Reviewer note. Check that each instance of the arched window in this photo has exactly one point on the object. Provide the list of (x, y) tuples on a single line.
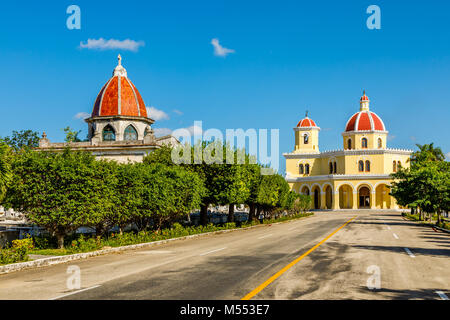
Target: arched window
[(306, 139), (367, 166), (300, 169), (361, 166), (307, 168), (109, 134), (364, 143), (335, 167), (130, 133), (399, 165), (380, 143), (349, 144), (331, 167), (394, 166)]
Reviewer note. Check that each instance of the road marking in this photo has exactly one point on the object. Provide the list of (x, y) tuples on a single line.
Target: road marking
[(395, 236), (205, 253), (290, 265), (410, 253), (442, 295), (75, 292), (266, 236)]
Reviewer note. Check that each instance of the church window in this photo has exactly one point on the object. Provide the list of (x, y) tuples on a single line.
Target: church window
[(399, 164), (349, 144), (331, 167), (361, 166), (109, 134), (335, 167), (364, 143), (307, 168), (367, 166), (305, 139), (130, 133), (394, 166), (300, 169), (380, 143)]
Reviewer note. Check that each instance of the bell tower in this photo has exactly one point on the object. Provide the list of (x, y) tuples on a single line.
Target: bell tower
[(306, 136)]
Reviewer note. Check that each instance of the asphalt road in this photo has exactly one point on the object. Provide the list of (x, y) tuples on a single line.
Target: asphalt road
[(410, 262)]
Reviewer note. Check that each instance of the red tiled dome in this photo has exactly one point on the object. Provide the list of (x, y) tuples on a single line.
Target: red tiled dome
[(119, 96), (365, 121), (306, 122)]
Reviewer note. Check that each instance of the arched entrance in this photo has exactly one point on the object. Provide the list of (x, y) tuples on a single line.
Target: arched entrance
[(305, 190), (364, 198), (316, 197), (345, 197), (328, 197), (382, 197)]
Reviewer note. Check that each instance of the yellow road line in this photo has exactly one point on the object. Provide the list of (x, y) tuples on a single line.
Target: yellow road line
[(290, 265)]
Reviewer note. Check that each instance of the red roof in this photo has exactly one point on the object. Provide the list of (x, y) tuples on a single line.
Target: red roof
[(119, 96), (365, 121), (307, 122)]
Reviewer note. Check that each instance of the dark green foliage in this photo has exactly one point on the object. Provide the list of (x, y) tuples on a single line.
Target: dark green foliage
[(22, 139), (426, 185)]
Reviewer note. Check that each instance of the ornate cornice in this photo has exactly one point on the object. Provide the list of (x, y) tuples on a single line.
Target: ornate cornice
[(335, 153)]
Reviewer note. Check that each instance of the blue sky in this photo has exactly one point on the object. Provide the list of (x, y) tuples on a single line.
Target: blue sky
[(289, 56)]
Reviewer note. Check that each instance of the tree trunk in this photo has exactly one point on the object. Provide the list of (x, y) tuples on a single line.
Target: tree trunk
[(251, 212), (258, 212), (60, 238), (99, 230), (121, 230), (231, 212), (204, 214)]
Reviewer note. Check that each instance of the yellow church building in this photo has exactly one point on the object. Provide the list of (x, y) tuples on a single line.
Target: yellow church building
[(356, 177)]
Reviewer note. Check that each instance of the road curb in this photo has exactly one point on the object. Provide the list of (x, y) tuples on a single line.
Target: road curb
[(13, 267)]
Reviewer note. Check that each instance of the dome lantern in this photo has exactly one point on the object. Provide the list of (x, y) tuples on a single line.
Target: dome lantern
[(364, 102)]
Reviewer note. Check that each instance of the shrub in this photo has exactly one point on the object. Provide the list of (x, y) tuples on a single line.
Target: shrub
[(18, 252)]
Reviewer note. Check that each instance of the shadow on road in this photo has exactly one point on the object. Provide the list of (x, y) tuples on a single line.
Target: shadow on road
[(415, 250), (405, 294)]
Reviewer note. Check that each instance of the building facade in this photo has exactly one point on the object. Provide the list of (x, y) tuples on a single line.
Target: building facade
[(119, 127), (355, 177)]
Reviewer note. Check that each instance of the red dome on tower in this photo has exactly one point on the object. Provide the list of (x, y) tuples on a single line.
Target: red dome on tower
[(119, 97), (365, 120), (306, 122)]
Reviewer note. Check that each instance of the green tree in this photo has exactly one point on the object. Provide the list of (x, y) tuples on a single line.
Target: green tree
[(58, 191), (5, 169), (22, 139), (71, 135), (426, 184), (168, 193)]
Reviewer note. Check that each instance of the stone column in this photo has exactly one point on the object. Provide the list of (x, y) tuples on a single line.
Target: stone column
[(373, 204), (335, 201), (355, 200), (323, 200)]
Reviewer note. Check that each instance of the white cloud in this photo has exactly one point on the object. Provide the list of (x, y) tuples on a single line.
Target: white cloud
[(219, 50), (111, 44), (156, 114), (82, 115), (178, 112), (159, 132)]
